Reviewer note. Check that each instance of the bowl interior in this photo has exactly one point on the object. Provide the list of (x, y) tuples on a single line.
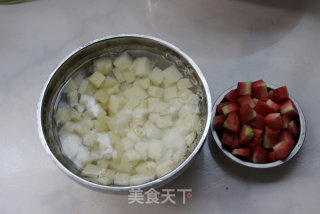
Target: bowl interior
[(113, 47), (300, 138)]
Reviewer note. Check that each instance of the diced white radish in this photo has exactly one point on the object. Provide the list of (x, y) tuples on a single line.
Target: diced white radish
[(109, 82), (166, 84), (101, 124), (80, 108), (103, 65), (123, 61), (74, 114), (124, 86), (147, 167), (142, 149), (92, 170), (161, 107), (152, 131), (120, 120), (155, 91), (132, 135), (140, 179), (105, 145), (170, 92), (187, 110), (83, 126), (83, 86), (72, 98), (127, 144), (135, 91), (122, 179), (90, 90), (184, 84), (179, 155), (164, 168), (116, 102), (192, 122), (114, 163), (70, 145), (102, 95), (153, 100), (128, 76), (142, 66), (127, 165), (113, 90), (171, 74), (144, 83), (155, 149), (71, 85), (89, 138), (104, 163), (189, 139), (96, 110), (78, 80), (152, 115), (68, 127), (156, 76), (96, 79), (62, 115), (82, 157), (118, 73), (86, 122), (132, 155), (114, 138), (161, 121), (87, 100), (184, 96), (106, 177), (132, 103)]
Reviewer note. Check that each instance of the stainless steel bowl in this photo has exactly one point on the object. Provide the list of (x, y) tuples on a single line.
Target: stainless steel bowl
[(115, 45), (294, 151)]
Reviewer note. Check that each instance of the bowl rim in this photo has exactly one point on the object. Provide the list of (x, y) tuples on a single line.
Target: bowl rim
[(294, 151), (152, 184)]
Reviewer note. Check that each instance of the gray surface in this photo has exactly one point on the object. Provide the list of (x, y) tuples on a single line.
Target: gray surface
[(230, 40)]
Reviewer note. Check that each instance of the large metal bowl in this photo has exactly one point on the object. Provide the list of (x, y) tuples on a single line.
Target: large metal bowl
[(115, 45), (299, 143)]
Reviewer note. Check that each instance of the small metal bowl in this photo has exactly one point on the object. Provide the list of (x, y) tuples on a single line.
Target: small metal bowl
[(115, 45), (302, 133)]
